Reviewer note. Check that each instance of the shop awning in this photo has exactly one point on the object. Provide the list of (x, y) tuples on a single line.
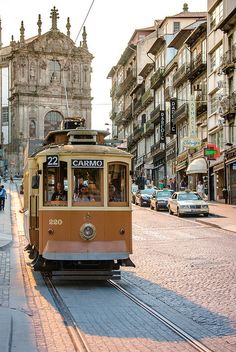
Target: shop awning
[(197, 166)]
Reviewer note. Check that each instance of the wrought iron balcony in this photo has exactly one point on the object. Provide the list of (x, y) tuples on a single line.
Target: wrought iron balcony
[(138, 131), (201, 104), (128, 113), (130, 141), (197, 67), (147, 98), (113, 113), (181, 74), (157, 78), (129, 81), (155, 114), (148, 128), (156, 149), (228, 105), (227, 64), (181, 113), (119, 117), (137, 107)]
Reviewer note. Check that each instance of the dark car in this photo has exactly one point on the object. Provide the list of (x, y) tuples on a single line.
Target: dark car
[(143, 197), (134, 189), (159, 199)]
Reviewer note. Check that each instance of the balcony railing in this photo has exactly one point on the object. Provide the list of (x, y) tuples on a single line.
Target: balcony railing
[(181, 74), (157, 78), (128, 113), (130, 141), (138, 131), (129, 80), (155, 114), (201, 104), (228, 104), (156, 149), (147, 98), (113, 114), (197, 66), (227, 64), (181, 112), (119, 117), (148, 128)]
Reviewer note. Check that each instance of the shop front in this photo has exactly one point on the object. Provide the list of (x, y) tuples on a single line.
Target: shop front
[(159, 172), (181, 168), (197, 171), (230, 164)]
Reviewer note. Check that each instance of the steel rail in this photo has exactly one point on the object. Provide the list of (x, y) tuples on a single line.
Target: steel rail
[(172, 326), (76, 336)]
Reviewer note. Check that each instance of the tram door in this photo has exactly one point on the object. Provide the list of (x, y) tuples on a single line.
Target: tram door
[(34, 220)]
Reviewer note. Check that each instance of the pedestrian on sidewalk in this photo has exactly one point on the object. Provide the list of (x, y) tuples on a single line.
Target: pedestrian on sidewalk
[(200, 189), (3, 196)]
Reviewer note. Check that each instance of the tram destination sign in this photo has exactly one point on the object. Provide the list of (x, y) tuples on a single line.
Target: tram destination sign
[(87, 163)]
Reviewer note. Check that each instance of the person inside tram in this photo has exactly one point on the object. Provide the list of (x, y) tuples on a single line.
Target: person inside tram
[(84, 195), (59, 194)]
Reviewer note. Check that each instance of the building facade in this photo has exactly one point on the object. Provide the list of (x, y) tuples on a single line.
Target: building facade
[(49, 79), (183, 100)]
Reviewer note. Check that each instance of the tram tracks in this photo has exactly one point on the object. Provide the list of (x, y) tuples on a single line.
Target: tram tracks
[(74, 332), (197, 345), (79, 340)]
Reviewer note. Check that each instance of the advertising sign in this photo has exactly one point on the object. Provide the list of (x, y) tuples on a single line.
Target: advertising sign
[(192, 116), (162, 126), (173, 106)]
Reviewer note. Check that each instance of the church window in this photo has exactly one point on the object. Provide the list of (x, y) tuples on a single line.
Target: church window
[(52, 121), (54, 71)]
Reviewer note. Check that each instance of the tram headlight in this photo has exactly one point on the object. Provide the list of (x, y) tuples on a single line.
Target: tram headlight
[(87, 232)]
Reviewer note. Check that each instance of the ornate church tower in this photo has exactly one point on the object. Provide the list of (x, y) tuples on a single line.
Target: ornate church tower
[(49, 80)]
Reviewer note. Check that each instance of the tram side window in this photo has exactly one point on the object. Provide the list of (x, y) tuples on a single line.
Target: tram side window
[(55, 184), (117, 184), (87, 186)]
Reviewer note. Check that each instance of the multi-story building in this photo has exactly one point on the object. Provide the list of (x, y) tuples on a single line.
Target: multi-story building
[(221, 88), (49, 79), (227, 101)]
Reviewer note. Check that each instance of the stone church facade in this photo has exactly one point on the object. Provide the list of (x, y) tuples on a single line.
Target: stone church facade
[(49, 79)]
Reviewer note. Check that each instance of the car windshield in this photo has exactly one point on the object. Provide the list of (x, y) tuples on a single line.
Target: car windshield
[(148, 191), (189, 196), (164, 194)]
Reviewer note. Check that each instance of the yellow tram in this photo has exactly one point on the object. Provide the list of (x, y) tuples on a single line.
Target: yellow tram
[(77, 204)]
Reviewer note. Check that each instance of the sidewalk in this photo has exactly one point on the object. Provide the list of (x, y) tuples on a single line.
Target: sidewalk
[(5, 223), (16, 328), (221, 215)]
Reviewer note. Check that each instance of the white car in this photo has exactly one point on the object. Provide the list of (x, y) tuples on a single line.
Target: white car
[(186, 202)]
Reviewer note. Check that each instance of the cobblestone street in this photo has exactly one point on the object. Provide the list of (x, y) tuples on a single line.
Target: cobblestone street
[(184, 269)]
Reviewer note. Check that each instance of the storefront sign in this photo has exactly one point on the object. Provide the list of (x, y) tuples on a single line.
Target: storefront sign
[(81, 163), (162, 126), (191, 142), (192, 116), (173, 106)]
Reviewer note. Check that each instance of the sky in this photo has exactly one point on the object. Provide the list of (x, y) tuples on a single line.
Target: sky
[(109, 26)]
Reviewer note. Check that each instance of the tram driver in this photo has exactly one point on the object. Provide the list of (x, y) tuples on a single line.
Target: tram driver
[(59, 194)]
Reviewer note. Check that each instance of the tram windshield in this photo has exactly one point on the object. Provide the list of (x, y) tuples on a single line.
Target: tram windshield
[(87, 185), (117, 184)]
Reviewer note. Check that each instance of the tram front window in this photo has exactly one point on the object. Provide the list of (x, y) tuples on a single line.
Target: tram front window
[(55, 180), (87, 185), (117, 184)]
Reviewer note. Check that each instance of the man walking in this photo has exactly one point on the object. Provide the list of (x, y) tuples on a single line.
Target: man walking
[(3, 196)]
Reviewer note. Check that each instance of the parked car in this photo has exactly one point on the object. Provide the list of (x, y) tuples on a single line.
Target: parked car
[(159, 199), (142, 197), (186, 202), (134, 189)]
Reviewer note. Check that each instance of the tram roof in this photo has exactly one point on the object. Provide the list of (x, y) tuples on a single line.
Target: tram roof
[(81, 149)]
